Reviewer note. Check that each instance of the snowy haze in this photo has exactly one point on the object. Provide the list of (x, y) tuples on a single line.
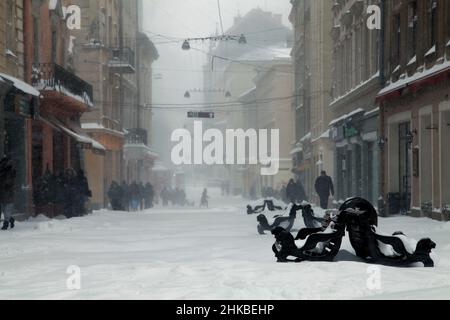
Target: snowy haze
[(164, 20)]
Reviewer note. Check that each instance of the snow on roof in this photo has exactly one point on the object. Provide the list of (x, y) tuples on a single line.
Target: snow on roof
[(376, 110), (247, 92), (159, 167), (296, 150), (431, 51), (92, 125), (412, 61), (20, 85), (307, 137), (420, 75), (359, 86), (345, 116), (325, 135), (266, 54)]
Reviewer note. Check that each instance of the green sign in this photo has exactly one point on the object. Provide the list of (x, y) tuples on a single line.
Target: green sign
[(350, 131)]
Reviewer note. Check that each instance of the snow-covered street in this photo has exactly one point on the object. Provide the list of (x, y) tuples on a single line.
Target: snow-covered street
[(198, 254)]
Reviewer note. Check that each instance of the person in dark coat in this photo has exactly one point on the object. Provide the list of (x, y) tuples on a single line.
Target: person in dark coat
[(84, 193), (70, 193), (115, 195), (125, 196), (135, 196), (7, 187), (165, 197), (291, 190), (204, 199), (324, 188), (141, 189), (149, 195)]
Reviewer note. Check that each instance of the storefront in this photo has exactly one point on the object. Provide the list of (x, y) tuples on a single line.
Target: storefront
[(18, 104), (415, 139), (356, 155)]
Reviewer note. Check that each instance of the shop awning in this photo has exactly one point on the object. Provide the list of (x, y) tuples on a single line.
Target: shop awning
[(20, 85), (82, 139)]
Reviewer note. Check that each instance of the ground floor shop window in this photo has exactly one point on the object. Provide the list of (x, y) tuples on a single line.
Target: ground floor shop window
[(445, 158)]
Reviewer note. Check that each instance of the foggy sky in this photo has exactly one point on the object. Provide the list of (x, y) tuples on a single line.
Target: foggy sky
[(165, 20)]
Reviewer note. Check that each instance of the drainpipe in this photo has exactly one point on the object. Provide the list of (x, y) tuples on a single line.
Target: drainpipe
[(382, 202), (382, 42)]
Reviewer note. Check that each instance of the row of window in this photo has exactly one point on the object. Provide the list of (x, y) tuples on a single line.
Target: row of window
[(417, 22), (355, 59)]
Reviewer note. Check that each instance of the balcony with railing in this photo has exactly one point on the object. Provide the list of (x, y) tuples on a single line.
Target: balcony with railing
[(122, 59), (136, 145), (136, 136), (52, 78)]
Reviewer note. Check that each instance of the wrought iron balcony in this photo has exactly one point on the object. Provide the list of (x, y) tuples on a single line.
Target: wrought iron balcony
[(136, 136), (53, 77), (123, 59)]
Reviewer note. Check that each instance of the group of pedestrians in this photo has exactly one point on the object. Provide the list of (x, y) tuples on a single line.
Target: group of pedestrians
[(67, 189), (294, 192), (131, 197), (174, 197)]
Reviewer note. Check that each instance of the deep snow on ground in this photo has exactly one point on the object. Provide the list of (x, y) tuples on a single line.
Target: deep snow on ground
[(195, 253)]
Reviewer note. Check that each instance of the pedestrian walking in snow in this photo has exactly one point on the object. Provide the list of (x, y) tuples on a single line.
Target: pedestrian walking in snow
[(300, 192), (83, 195), (291, 191), (165, 197), (70, 193), (7, 187), (149, 195), (204, 199), (125, 196), (141, 196), (324, 188), (115, 195), (135, 196)]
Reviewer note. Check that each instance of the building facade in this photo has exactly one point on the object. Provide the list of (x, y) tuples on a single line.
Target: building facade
[(58, 142), (356, 83), (415, 108), (139, 155), (312, 150), (18, 101), (228, 80), (116, 58), (276, 81)]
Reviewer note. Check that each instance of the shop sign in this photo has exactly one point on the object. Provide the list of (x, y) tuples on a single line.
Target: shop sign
[(350, 131)]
